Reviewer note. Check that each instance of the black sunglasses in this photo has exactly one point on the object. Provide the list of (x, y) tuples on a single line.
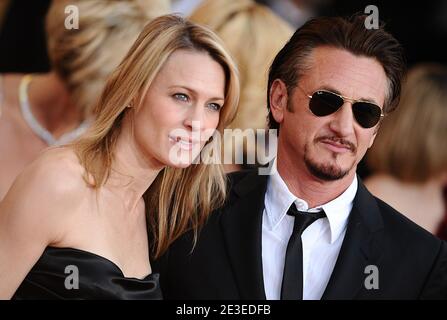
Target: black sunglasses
[(323, 103)]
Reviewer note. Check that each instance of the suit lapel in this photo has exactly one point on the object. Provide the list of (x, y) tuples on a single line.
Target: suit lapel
[(242, 229), (361, 247)]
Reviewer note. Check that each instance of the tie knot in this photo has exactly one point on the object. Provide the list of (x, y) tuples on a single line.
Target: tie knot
[(303, 219)]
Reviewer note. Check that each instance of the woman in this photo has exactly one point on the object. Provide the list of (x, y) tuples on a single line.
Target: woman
[(409, 156), (77, 213), (54, 108)]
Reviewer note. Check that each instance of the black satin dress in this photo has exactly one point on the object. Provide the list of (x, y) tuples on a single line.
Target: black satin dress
[(67, 273)]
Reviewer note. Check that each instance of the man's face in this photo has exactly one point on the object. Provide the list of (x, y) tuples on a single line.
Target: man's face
[(329, 147)]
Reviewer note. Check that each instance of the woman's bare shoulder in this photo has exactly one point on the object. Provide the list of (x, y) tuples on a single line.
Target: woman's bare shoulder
[(10, 84), (54, 177), (44, 200), (9, 93), (39, 209)]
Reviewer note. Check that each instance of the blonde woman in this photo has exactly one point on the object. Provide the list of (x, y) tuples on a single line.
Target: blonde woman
[(78, 214), (53, 108), (253, 34), (409, 157)]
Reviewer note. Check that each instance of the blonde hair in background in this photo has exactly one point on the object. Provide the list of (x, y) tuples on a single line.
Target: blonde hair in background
[(84, 57), (253, 34), (179, 199), (412, 141)]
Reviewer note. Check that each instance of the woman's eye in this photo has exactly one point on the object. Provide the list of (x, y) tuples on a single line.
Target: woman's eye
[(214, 106), (181, 97)]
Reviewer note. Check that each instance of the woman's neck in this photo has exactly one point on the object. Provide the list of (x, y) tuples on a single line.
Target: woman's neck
[(132, 172), (51, 105)]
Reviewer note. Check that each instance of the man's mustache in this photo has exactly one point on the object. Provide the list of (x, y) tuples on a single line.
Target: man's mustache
[(341, 141)]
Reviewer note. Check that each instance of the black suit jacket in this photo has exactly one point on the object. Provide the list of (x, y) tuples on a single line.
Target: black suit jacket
[(226, 262)]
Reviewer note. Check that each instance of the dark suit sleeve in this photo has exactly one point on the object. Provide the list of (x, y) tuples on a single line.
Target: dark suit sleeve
[(436, 284)]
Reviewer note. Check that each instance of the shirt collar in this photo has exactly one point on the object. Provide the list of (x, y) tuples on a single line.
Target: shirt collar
[(338, 210), (278, 200)]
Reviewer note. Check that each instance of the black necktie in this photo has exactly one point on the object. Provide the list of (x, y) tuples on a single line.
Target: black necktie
[(292, 280)]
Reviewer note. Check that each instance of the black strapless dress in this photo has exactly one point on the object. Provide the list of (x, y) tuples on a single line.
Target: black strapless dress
[(67, 273)]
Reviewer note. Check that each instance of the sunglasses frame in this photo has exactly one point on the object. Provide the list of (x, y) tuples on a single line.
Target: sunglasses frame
[(350, 100)]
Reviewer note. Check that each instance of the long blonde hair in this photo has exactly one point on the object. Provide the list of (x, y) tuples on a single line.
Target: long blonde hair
[(179, 199), (85, 57)]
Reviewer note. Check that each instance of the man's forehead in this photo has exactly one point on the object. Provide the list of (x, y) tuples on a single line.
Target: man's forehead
[(358, 77)]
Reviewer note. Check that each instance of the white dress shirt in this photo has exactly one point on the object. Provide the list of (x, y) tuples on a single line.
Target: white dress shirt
[(321, 240)]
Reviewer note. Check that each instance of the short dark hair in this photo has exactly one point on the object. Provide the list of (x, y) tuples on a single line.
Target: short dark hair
[(342, 33)]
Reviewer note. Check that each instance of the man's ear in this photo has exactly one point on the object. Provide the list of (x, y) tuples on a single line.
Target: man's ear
[(278, 100), (376, 130), (372, 140)]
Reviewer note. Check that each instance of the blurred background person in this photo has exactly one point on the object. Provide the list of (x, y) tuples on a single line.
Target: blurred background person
[(409, 156), (54, 108), (297, 12), (253, 34), (184, 7)]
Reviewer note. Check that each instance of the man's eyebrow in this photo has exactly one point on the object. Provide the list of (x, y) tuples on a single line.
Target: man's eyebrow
[(331, 89)]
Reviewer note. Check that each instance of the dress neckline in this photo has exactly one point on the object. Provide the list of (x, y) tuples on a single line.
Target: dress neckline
[(36, 127), (115, 266)]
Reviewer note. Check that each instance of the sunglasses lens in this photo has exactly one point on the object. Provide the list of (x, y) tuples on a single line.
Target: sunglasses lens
[(366, 114), (324, 103)]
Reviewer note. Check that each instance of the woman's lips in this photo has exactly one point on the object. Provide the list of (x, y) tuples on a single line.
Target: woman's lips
[(185, 143)]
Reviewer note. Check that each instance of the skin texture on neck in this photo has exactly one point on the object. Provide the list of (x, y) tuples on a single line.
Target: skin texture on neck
[(140, 170), (51, 105)]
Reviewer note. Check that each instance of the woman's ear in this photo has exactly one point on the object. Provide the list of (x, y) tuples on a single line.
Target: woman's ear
[(278, 100)]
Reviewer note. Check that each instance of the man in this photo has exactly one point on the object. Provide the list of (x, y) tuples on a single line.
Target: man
[(312, 230)]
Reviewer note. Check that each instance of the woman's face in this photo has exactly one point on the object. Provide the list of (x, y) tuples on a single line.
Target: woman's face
[(181, 109)]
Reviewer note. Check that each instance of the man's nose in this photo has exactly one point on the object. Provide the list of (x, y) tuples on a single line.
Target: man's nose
[(342, 121)]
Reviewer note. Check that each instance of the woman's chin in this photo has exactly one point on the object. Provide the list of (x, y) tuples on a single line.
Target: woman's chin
[(180, 163), (182, 160)]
